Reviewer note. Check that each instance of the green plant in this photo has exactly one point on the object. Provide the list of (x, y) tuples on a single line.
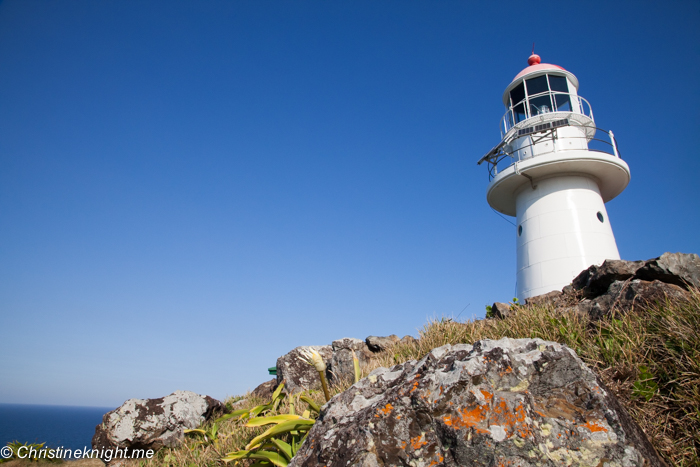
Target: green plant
[(489, 311), (279, 443), (209, 437), (645, 386)]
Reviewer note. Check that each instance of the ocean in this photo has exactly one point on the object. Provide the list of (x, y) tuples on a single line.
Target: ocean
[(57, 425)]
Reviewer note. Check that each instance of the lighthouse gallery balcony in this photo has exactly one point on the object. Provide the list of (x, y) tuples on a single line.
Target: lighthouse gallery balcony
[(548, 133)]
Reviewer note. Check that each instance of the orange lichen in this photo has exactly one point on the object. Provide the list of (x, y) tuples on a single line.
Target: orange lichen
[(387, 409), (417, 442), (468, 418), (594, 426), (505, 371), (513, 420), (497, 412), (437, 462)]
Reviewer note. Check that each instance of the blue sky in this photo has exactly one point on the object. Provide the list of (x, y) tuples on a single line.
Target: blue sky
[(188, 190)]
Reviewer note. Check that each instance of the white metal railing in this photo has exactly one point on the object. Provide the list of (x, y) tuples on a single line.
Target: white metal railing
[(576, 104), (603, 141)]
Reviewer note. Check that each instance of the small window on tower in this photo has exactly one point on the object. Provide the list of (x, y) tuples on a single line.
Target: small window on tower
[(600, 217), (520, 230)]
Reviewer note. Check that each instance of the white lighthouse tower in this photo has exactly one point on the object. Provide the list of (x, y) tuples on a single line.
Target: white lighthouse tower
[(554, 170)]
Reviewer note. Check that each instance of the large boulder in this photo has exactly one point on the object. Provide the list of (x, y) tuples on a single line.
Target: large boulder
[(299, 375), (342, 366), (514, 402), (154, 423)]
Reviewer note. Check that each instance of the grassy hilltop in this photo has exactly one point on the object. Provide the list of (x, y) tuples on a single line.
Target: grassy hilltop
[(649, 357)]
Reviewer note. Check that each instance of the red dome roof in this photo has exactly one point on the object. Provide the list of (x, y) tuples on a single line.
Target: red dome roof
[(534, 62)]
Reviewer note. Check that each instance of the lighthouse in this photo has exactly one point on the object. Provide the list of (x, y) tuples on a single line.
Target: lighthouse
[(554, 170)]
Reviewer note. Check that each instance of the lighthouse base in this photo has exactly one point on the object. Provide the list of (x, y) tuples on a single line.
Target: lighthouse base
[(562, 229)]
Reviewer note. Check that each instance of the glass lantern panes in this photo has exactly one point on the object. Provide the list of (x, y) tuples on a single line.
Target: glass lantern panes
[(546, 93), (536, 85), (517, 98), (558, 84)]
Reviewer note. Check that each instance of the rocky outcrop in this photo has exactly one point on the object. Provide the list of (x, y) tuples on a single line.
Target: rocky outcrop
[(299, 375), (620, 285), (154, 423), (520, 402)]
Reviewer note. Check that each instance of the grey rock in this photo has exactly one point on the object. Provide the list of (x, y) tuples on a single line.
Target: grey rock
[(378, 344), (265, 390), (520, 402), (501, 310), (349, 343), (299, 375), (681, 269), (342, 366), (154, 423)]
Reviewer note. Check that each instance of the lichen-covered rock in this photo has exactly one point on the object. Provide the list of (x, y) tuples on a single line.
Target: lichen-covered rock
[(153, 423), (342, 366), (299, 375), (519, 402)]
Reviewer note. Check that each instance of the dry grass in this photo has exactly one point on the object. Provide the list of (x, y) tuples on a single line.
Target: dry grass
[(650, 359), (663, 338)]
